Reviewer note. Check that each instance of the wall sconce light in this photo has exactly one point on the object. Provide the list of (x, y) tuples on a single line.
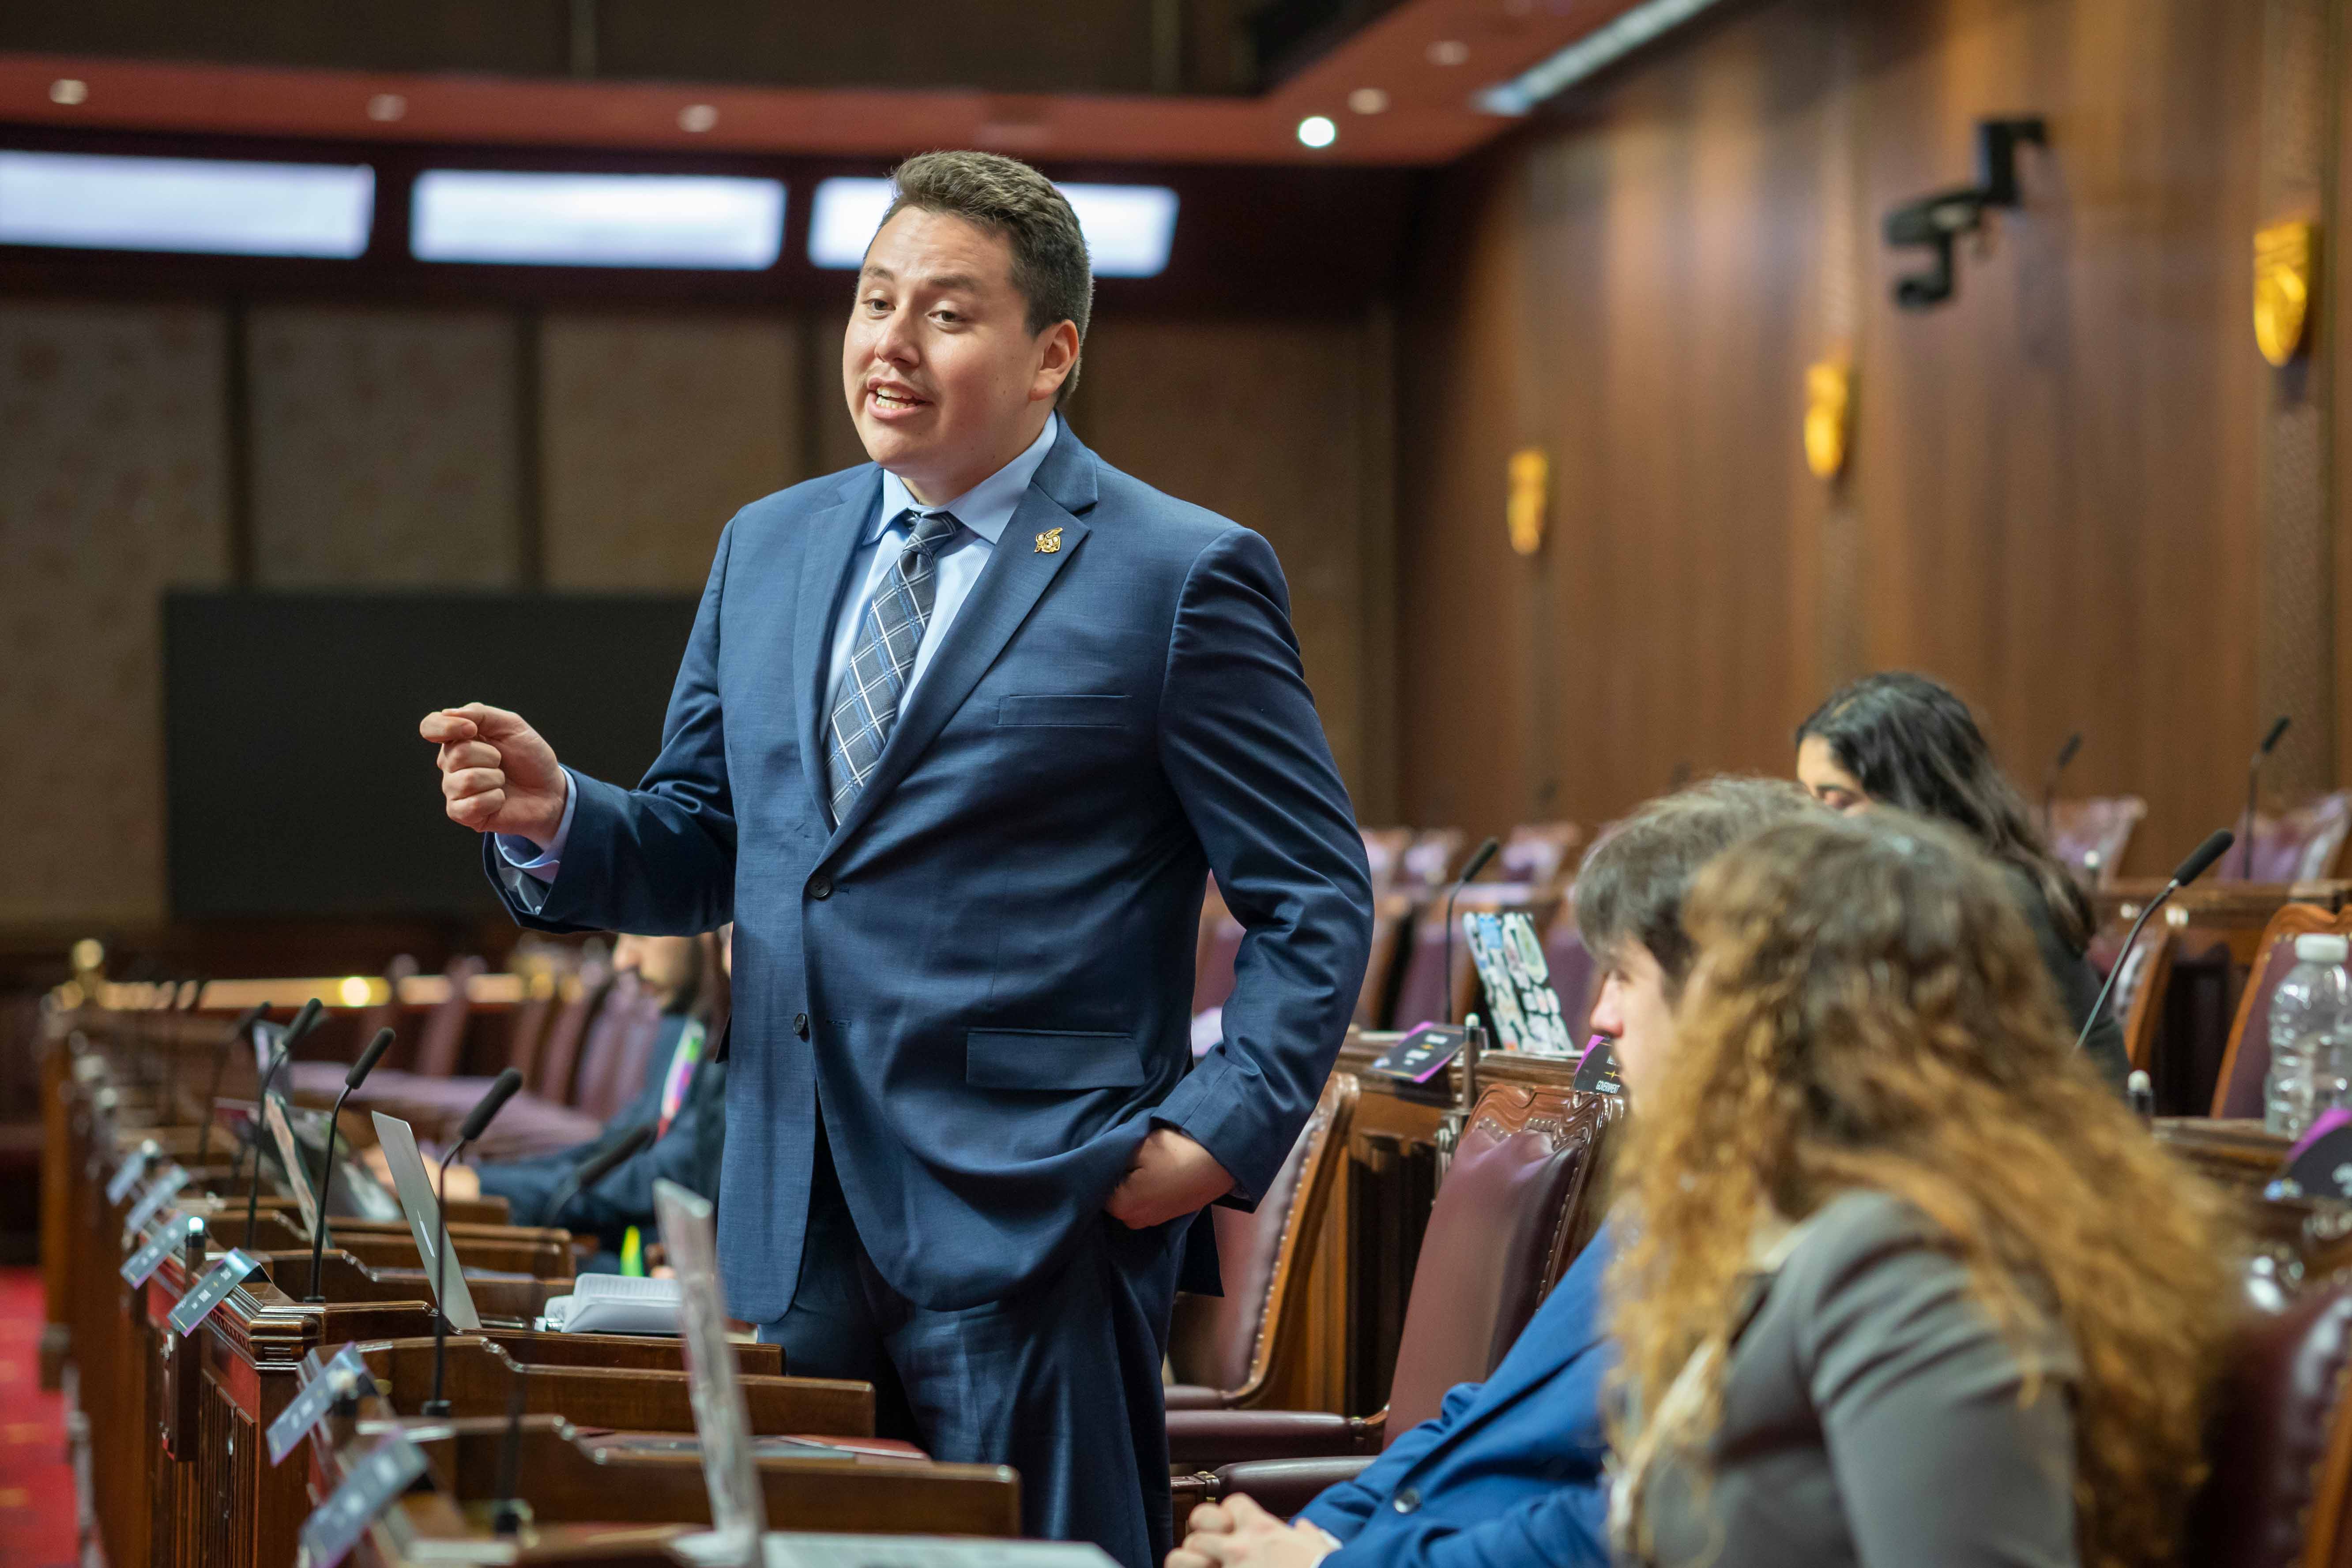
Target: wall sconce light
[(1530, 490), (1939, 220), (1829, 416), (2286, 268)]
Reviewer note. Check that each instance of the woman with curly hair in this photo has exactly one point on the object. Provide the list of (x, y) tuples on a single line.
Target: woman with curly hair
[(1906, 1285)]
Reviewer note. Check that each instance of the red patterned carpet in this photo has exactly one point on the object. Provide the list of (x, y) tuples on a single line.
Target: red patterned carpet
[(37, 1488)]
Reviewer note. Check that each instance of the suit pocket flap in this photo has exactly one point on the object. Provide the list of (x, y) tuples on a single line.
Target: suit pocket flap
[(1050, 1058), (1067, 710)]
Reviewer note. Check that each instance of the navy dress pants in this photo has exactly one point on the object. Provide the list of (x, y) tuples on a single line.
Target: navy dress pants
[(1061, 1381)]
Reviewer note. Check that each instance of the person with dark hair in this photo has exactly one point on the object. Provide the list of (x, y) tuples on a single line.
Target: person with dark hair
[(1905, 740), (1902, 1284), (1511, 1472), (958, 737)]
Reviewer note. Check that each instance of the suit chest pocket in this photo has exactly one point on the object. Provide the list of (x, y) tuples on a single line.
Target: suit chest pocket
[(1062, 711)]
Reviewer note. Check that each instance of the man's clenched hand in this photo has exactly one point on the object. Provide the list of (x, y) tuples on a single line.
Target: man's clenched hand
[(496, 774), (1169, 1176)]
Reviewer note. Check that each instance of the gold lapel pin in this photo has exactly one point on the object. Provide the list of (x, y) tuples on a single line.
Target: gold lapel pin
[(1050, 542)]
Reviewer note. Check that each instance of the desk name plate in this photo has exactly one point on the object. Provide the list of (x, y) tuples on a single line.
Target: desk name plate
[(344, 1374), (212, 1289), (165, 1188), (140, 1266), (126, 1175), (330, 1531)]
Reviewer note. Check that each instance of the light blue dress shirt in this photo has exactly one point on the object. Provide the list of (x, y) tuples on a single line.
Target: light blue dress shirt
[(984, 510)]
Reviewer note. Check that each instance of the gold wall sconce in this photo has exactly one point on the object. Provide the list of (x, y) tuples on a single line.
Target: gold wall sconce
[(1829, 416), (2286, 256), (1530, 492)]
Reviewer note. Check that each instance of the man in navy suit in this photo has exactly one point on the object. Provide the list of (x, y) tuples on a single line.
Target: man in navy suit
[(958, 735)]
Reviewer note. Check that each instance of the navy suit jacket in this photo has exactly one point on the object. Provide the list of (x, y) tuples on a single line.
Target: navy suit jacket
[(625, 1195), (983, 972), (1509, 1475)]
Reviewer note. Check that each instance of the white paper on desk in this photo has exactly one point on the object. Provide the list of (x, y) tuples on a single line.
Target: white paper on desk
[(790, 1548), (424, 1212), (289, 1153), (738, 1509)]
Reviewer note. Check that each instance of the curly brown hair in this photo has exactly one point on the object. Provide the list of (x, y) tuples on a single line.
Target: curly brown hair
[(1867, 1010)]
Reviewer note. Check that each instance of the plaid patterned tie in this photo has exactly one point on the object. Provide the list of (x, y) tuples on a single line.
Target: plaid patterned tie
[(866, 709)]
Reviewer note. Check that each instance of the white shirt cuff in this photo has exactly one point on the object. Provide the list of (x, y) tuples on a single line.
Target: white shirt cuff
[(527, 856)]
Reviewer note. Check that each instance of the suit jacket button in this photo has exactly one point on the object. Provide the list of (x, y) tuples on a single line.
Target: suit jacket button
[(820, 886), (800, 1024), (1406, 1501)]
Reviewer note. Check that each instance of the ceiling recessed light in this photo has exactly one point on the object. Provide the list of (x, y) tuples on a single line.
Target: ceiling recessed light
[(1449, 52), (1318, 131), (1367, 100), (698, 118), (387, 106), (69, 91)]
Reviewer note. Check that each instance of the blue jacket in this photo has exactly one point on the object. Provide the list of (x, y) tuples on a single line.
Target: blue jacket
[(625, 1196), (984, 973), (1509, 1474)]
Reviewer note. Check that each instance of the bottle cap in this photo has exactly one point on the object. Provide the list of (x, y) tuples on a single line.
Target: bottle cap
[(2319, 947)]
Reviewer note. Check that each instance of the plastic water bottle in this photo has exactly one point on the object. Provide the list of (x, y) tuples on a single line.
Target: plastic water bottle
[(2310, 1038)]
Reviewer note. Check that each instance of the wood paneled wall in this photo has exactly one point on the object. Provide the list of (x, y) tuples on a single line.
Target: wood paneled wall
[(2075, 492), (335, 445)]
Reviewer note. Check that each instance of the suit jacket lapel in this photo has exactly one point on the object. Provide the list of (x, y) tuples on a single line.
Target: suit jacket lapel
[(1017, 577), (833, 536)]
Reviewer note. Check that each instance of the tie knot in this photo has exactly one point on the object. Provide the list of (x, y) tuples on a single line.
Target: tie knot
[(929, 531)]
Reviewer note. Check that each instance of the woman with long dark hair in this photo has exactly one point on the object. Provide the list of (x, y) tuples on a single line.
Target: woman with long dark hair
[(1905, 740), (1901, 1283)]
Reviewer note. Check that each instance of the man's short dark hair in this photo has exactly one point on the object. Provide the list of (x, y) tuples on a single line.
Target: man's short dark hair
[(1632, 885), (1006, 196)]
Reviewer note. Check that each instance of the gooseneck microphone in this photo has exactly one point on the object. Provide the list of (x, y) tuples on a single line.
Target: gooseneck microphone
[(303, 1023), (2050, 782), (2254, 789), (595, 1170), (1476, 863), (237, 1031), (352, 1080), (2199, 861), (502, 1089)]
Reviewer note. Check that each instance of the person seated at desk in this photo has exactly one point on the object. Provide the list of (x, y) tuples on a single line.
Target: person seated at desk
[(1908, 1286), (1903, 739), (1510, 1474), (689, 975)]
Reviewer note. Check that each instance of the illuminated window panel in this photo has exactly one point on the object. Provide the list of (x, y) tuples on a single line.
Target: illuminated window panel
[(1130, 229), (499, 217), (99, 202)]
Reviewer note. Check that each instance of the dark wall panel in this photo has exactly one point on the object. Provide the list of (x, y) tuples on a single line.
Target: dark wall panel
[(297, 784)]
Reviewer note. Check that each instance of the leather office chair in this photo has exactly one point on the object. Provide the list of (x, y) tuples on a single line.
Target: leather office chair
[(1542, 853), (2246, 1061), (580, 993), (1384, 851), (1233, 1347), (2298, 846), (441, 1043), (1429, 860), (1220, 945), (1424, 997), (1391, 918), (1510, 1216), (2139, 995), (2091, 835), (2279, 1443), (615, 1039)]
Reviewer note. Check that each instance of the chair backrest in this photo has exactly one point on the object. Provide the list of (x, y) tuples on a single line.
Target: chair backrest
[(559, 1057), (1220, 945), (2138, 994), (632, 1060), (2091, 835), (2298, 846), (1384, 851), (1573, 971), (2246, 1061), (1429, 860), (1424, 995), (1509, 1216), (385, 1014), (527, 1025), (443, 1038), (1542, 853), (2279, 1442), (1230, 1343), (621, 1000)]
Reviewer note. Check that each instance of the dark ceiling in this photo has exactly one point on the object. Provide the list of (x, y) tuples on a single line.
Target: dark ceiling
[(1194, 47)]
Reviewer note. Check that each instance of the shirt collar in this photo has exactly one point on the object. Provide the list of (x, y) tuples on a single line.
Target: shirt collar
[(988, 506)]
